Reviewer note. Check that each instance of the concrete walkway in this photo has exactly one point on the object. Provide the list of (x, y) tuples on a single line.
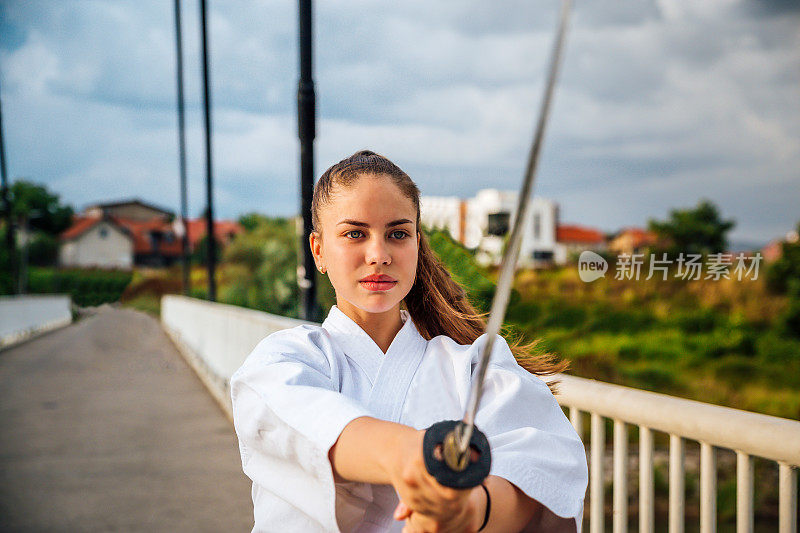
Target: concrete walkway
[(103, 427)]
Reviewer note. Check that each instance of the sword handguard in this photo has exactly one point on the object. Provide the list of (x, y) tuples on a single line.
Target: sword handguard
[(441, 434)]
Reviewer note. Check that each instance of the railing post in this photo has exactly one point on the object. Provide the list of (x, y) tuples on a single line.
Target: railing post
[(576, 420), (787, 489), (744, 493), (620, 477), (646, 492), (596, 495), (708, 488), (676, 484)]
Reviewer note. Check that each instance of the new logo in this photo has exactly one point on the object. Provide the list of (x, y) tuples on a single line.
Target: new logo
[(591, 266)]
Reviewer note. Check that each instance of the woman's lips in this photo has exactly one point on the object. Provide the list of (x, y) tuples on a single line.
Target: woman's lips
[(378, 285)]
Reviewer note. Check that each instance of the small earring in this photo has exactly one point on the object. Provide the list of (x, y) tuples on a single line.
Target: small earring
[(322, 269)]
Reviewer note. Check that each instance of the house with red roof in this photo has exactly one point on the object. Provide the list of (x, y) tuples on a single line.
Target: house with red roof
[(572, 239), (633, 241), (96, 242), (128, 233), (224, 230), (774, 249)]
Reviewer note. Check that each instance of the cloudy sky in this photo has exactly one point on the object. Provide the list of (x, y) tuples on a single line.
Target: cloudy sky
[(660, 103)]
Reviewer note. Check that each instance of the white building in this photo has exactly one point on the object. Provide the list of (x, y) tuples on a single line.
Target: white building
[(96, 242), (483, 221)]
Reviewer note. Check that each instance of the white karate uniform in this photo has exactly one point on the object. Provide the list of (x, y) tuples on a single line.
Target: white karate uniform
[(300, 387)]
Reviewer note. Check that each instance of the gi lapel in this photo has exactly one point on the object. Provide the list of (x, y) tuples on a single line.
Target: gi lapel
[(396, 372), (390, 373), (354, 342)]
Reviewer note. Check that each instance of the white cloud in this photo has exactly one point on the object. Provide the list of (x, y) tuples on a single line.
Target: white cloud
[(19, 76)]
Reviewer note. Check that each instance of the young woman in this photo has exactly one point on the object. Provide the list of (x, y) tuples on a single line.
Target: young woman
[(330, 418)]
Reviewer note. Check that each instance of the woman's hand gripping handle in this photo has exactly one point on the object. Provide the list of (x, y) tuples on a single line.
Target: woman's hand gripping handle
[(434, 496)]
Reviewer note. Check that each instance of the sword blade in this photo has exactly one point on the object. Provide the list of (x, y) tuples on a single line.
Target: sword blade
[(506, 278)]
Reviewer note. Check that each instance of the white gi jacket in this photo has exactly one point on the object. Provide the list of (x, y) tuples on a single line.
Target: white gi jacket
[(300, 387)]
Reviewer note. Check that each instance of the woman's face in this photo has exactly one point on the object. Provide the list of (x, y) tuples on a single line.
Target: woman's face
[(368, 245)]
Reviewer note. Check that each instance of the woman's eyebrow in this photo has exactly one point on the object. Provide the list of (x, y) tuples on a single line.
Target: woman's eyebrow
[(365, 225)]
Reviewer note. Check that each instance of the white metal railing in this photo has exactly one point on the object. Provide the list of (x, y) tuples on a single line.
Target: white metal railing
[(748, 434)]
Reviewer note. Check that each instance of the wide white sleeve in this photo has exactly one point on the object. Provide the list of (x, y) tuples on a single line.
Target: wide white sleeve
[(533, 444), (288, 412)]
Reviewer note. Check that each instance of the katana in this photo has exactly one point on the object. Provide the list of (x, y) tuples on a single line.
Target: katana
[(447, 445)]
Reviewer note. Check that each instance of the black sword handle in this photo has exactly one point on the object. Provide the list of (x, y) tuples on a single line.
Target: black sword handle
[(474, 472)]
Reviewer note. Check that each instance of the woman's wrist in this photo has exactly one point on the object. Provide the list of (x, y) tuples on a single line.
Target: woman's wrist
[(405, 446), (365, 451)]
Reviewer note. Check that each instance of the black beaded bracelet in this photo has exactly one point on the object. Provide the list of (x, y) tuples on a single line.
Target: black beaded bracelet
[(488, 507)]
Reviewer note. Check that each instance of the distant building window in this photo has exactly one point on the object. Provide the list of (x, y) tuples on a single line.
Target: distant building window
[(103, 233), (537, 226), (498, 223), (542, 255), (155, 240)]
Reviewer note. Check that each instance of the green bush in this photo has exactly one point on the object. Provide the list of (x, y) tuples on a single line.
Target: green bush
[(43, 250), (789, 321), (652, 377), (728, 340), (695, 320), (618, 321), (86, 287), (524, 313), (736, 370), (557, 314), (630, 352), (774, 347), (201, 293)]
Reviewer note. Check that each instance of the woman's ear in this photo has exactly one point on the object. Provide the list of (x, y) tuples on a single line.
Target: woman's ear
[(315, 242)]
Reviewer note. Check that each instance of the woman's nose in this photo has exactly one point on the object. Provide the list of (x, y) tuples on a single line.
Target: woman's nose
[(378, 252)]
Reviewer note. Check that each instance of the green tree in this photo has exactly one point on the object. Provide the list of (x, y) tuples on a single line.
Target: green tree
[(460, 262), (7, 285), (266, 261), (790, 319), (250, 221), (43, 250), (780, 274), (43, 214), (42, 209), (698, 230)]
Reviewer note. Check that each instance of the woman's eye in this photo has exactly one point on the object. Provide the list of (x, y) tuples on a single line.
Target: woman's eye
[(353, 234), (398, 234)]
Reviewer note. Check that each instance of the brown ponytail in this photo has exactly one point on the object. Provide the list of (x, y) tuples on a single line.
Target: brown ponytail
[(437, 304)]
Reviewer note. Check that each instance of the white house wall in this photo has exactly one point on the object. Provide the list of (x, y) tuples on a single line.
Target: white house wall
[(444, 212), (441, 212), (94, 249)]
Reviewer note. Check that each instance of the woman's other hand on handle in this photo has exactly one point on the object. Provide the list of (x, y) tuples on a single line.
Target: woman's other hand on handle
[(425, 504)]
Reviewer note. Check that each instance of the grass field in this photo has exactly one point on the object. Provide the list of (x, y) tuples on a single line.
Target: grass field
[(713, 341)]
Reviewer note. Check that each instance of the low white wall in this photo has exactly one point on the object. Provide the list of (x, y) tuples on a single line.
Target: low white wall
[(216, 338), (24, 316)]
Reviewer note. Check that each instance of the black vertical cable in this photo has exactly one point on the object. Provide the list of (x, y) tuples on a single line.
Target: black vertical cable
[(10, 245), (182, 148), (210, 237), (306, 119)]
